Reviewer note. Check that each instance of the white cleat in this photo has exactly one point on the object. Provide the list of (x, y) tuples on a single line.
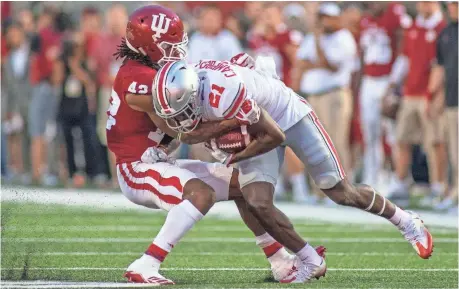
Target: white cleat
[(419, 237), (282, 265), (142, 271), (305, 272)]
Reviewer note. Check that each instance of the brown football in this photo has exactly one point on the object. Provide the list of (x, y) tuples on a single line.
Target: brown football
[(234, 141)]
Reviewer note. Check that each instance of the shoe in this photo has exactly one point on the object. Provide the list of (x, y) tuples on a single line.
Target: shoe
[(427, 201), (419, 237), (307, 271), (444, 205), (282, 264), (143, 271)]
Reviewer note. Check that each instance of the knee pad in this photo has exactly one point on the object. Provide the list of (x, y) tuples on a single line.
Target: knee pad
[(327, 181)]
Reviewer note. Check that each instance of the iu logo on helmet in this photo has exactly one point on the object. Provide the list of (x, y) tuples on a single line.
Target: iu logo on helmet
[(159, 25)]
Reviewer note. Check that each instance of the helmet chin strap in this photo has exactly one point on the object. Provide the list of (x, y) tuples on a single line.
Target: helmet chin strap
[(131, 47)]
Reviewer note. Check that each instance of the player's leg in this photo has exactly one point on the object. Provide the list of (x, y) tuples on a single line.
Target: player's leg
[(225, 183), (257, 178), (165, 186), (313, 145)]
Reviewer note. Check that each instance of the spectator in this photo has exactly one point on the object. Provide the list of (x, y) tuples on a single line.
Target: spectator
[(25, 18), (380, 43), (77, 90), (211, 41), (17, 88), (326, 60), (43, 103), (90, 25), (106, 68), (445, 74), (413, 124), (270, 36), (241, 22)]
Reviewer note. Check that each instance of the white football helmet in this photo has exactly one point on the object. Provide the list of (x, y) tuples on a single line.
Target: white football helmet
[(175, 96)]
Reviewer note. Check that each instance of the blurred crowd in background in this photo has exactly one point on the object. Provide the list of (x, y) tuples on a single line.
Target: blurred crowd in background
[(393, 120)]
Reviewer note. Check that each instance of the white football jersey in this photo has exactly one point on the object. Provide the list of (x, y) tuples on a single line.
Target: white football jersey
[(229, 91)]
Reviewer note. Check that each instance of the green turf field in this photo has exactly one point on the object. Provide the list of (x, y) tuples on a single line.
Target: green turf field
[(50, 242)]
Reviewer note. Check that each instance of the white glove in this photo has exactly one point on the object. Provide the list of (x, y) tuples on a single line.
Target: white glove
[(249, 113), (218, 154), (244, 60), (154, 155)]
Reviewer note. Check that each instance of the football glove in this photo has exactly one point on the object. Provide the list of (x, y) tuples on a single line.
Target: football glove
[(244, 60), (154, 155), (218, 154)]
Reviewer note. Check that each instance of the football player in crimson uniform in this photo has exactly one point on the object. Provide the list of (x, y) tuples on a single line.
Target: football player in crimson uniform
[(187, 96), (187, 189), (380, 31)]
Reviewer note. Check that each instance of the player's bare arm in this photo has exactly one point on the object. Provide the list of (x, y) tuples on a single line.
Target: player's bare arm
[(204, 132), (267, 136), (209, 130)]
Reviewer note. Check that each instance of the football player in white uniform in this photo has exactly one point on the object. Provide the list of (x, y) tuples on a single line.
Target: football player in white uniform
[(185, 95)]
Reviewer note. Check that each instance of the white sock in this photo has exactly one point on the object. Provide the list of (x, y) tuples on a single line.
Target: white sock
[(179, 221), (309, 254), (399, 218), (264, 240), (273, 250)]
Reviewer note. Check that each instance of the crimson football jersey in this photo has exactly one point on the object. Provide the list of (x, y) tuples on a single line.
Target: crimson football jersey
[(420, 47), (377, 39), (275, 48), (131, 132)]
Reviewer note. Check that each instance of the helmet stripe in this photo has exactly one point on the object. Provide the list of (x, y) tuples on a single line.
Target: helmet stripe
[(162, 87)]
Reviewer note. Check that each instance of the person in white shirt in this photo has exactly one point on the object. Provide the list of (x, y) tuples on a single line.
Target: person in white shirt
[(211, 41), (326, 60)]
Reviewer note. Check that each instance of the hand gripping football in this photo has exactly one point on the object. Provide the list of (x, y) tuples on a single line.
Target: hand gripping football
[(234, 141)]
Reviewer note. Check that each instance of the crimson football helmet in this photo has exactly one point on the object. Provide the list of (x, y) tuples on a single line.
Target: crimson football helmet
[(156, 32)]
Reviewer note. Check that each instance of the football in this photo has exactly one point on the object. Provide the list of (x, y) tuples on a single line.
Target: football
[(234, 141)]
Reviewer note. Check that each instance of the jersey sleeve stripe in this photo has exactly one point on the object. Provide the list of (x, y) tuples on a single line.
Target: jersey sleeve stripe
[(143, 185), (237, 103), (162, 87)]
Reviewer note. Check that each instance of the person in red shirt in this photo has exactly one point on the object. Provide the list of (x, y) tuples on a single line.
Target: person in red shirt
[(187, 189), (413, 124), (271, 37), (380, 30)]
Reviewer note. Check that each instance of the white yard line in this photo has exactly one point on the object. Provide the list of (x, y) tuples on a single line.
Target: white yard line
[(362, 254), (209, 228), (115, 201), (58, 285), (232, 269), (209, 239), (69, 285)]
